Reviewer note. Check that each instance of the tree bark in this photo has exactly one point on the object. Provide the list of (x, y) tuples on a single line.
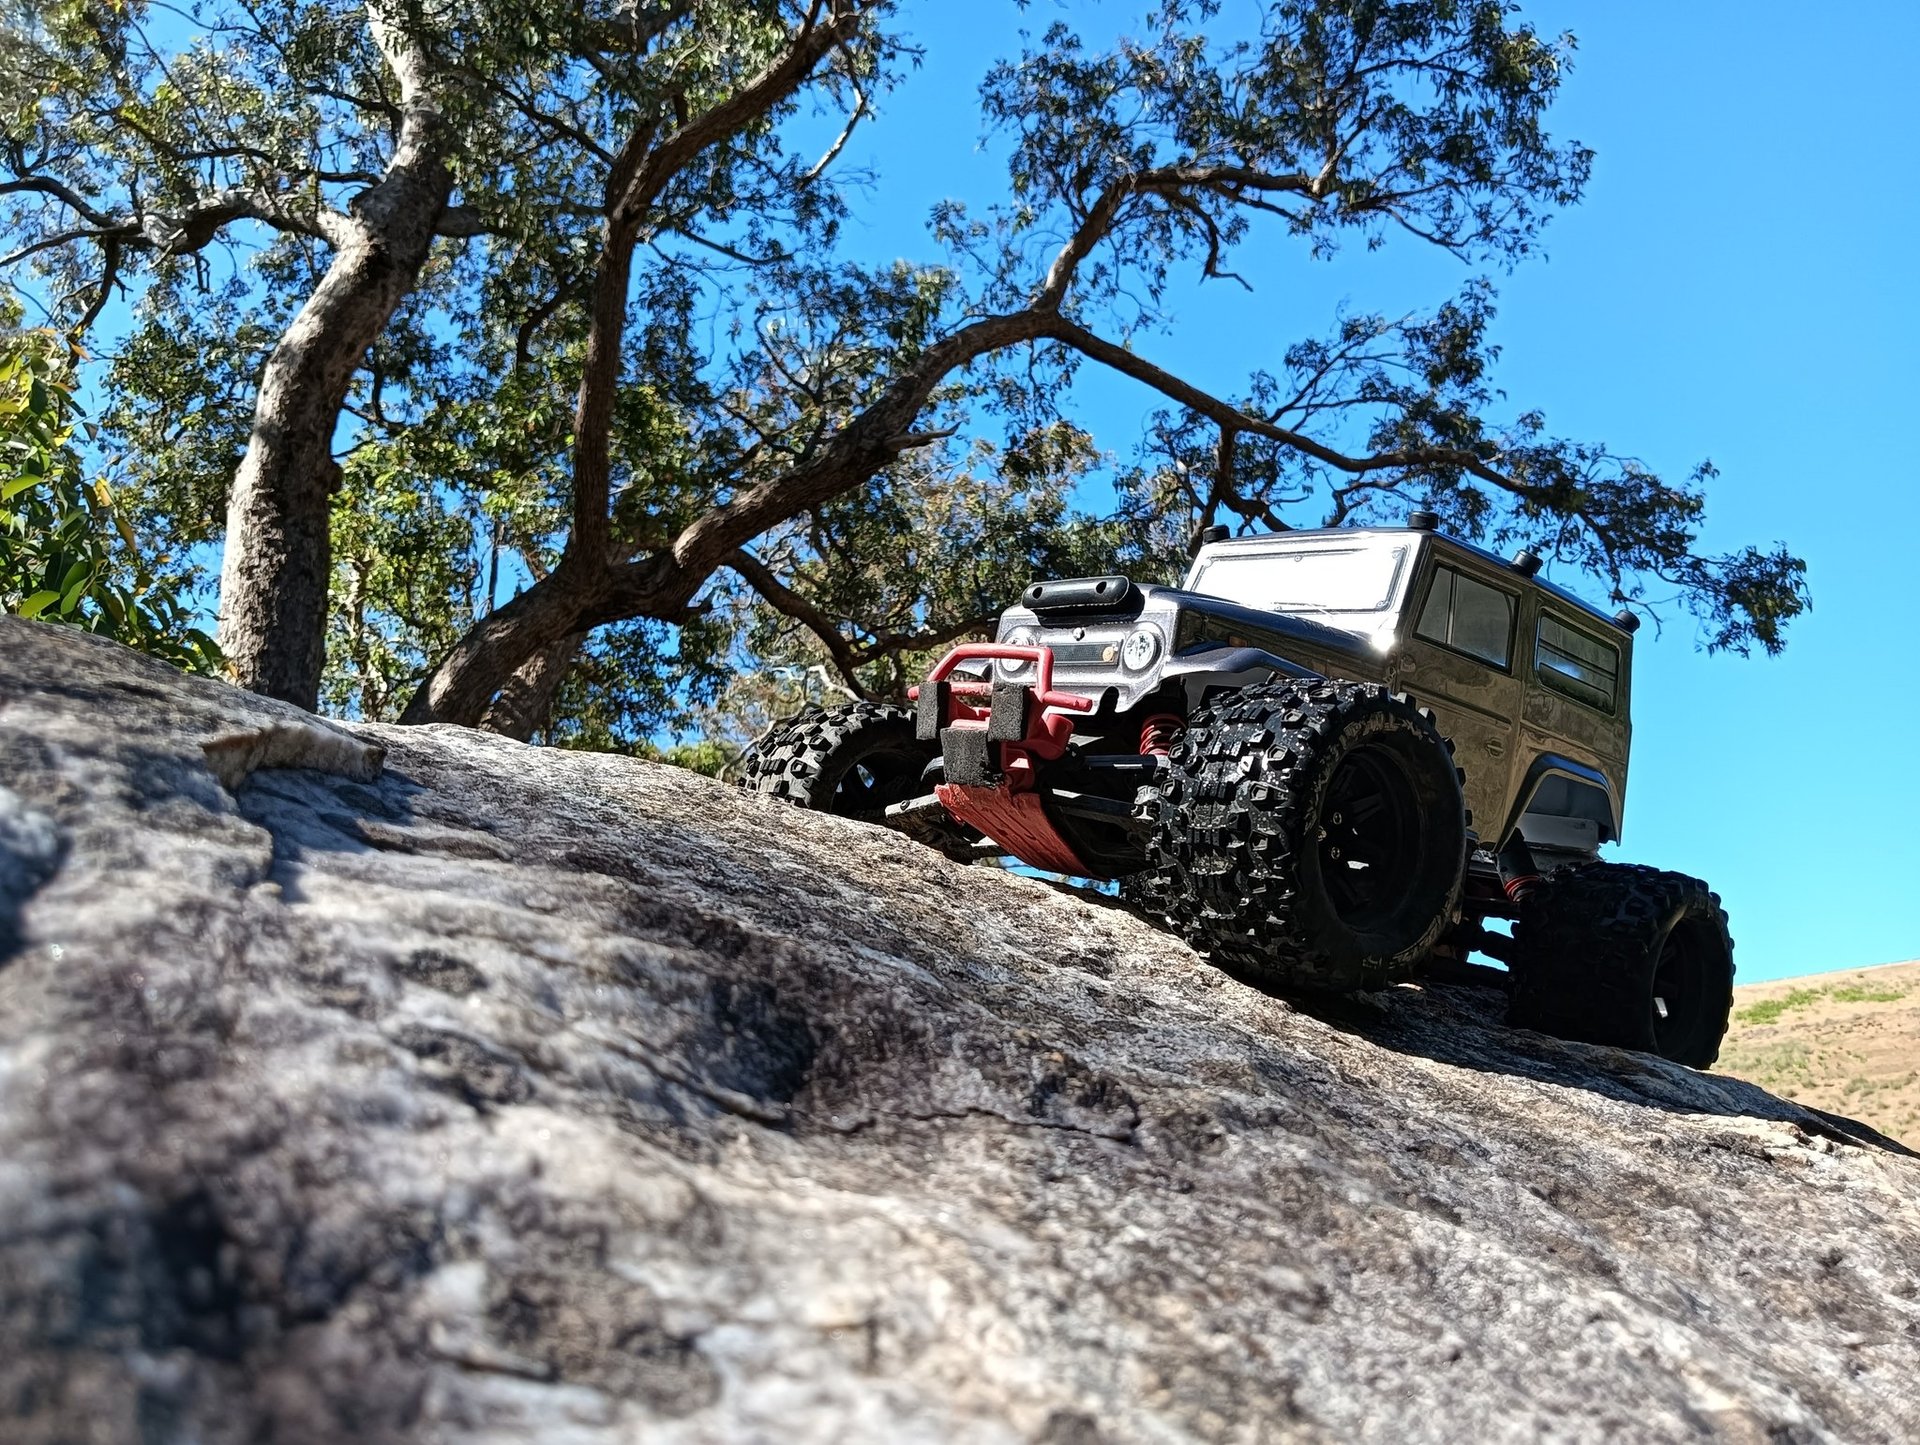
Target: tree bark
[(525, 704), (490, 652), (278, 555)]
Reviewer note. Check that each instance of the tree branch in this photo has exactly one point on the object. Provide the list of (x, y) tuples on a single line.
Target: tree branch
[(927, 637), (461, 223), (1162, 180), (865, 445), (785, 600), (840, 141), (810, 43), (1226, 414), (109, 275), (47, 243), (63, 193), (635, 180), (633, 33)]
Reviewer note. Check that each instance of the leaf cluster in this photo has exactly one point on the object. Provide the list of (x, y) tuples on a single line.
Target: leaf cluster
[(65, 553), (1420, 388)]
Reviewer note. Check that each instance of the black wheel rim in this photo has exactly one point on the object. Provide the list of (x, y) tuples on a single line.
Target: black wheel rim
[(1680, 983), (877, 778), (1371, 838)]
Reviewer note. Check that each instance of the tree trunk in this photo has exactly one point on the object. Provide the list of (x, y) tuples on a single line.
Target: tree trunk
[(514, 638), (525, 704), (586, 590), (491, 652), (278, 555)]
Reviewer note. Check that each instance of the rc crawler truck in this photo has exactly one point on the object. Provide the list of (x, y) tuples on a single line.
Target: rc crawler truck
[(1326, 761)]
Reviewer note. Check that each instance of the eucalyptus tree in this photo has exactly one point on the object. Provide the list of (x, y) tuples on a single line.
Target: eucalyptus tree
[(696, 162), (1339, 121), (629, 371), (338, 142), (129, 146), (541, 351)]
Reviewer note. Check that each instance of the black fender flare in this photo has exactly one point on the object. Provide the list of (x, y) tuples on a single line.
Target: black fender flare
[(1228, 667), (1558, 765)]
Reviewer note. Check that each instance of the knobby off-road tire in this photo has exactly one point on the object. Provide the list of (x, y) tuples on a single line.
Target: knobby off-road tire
[(1620, 954), (1147, 891), (854, 761), (1310, 836)]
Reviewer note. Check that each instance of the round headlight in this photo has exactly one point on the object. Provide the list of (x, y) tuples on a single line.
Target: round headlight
[(1013, 667), (1141, 649)]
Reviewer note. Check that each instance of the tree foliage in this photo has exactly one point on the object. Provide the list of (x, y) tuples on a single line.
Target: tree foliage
[(648, 444), (66, 555)]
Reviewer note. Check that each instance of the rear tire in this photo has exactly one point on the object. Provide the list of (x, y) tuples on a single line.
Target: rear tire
[(1625, 955), (853, 761), (1311, 835)]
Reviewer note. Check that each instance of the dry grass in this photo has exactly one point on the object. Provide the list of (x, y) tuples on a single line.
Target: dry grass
[(1846, 1042)]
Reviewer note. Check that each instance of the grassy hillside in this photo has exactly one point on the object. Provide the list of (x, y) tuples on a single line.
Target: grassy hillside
[(1845, 1042)]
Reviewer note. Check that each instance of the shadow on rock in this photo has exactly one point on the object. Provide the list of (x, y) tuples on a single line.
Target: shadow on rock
[(1458, 1018), (1461, 1022)]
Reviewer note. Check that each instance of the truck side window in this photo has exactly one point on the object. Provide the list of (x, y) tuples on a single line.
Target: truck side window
[(1580, 666), (1468, 616)]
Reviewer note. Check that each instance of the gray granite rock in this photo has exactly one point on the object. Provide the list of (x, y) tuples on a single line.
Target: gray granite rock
[(495, 1094)]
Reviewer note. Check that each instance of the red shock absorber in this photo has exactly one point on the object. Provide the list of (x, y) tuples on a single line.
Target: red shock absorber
[(1519, 874), (1158, 732)]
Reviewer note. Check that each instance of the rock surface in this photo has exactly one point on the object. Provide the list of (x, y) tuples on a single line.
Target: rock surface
[(496, 1094)]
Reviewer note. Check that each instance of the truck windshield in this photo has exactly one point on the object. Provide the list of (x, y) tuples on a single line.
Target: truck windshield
[(1305, 579)]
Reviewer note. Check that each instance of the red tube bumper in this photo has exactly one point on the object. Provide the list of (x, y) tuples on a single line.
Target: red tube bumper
[(1010, 809)]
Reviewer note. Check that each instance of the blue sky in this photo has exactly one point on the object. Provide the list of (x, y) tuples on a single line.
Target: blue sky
[(1739, 284)]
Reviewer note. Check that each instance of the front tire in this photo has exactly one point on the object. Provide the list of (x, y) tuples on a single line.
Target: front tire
[(1625, 955), (1311, 835), (854, 761)]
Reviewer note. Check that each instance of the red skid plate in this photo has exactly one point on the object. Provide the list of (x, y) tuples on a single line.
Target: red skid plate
[(1010, 812), (1016, 821)]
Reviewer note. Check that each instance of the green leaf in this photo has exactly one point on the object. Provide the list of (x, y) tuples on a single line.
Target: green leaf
[(38, 603), (75, 593)]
